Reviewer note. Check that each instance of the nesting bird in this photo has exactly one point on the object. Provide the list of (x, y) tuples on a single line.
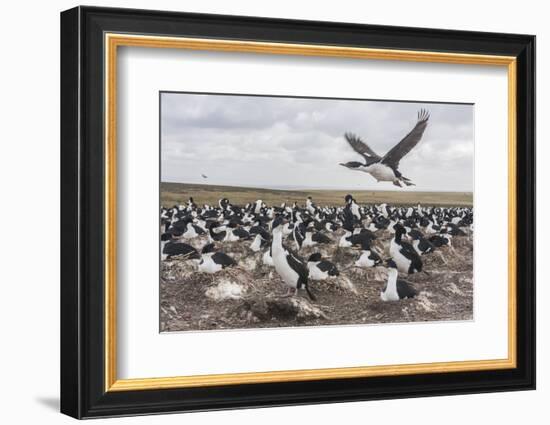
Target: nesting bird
[(403, 254), (420, 243), (368, 257), (320, 269), (171, 249), (212, 261), (395, 288)]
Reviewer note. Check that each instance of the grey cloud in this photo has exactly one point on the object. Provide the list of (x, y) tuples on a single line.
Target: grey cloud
[(276, 142)]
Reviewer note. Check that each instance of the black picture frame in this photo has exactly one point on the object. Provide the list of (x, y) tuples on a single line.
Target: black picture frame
[(83, 392)]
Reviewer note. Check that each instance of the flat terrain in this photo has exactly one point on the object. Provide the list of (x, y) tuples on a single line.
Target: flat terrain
[(177, 193)]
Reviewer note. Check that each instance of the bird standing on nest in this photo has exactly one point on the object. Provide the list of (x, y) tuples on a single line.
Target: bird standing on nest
[(292, 269)]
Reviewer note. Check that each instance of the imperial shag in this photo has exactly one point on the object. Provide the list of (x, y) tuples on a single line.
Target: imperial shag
[(320, 269), (395, 289), (386, 168), (212, 262), (368, 257), (292, 269), (403, 253)]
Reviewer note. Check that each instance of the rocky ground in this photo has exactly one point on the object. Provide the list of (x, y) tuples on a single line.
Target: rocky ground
[(250, 295)]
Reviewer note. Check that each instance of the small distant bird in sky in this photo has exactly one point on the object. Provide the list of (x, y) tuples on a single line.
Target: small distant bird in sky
[(204, 176), (386, 168)]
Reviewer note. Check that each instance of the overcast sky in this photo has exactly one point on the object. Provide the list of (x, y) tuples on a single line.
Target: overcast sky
[(287, 142)]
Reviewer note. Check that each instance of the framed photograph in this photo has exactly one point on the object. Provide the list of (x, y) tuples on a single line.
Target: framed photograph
[(261, 212)]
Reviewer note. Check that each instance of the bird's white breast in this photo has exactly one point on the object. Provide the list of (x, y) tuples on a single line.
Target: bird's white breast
[(314, 272), (344, 243), (401, 261), (308, 241), (416, 244), (289, 276), (380, 172), (207, 265), (230, 237), (190, 232), (255, 245), (390, 293), (364, 260)]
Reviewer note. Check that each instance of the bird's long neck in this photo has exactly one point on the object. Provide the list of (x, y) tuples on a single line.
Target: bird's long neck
[(392, 281), (277, 242), (398, 237)]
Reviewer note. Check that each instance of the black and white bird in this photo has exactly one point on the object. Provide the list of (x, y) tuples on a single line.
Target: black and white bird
[(310, 206), (386, 168), (186, 229), (320, 269), (420, 243), (453, 230), (261, 239), (171, 248), (236, 233), (352, 207), (440, 240), (313, 238), (292, 269), (403, 253), (212, 261), (368, 257), (216, 232), (395, 288)]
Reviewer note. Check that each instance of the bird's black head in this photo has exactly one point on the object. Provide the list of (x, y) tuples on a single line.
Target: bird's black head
[(391, 264), (208, 248), (348, 198), (315, 257), (398, 227), (213, 225), (352, 165), (224, 203), (279, 221), (166, 237)]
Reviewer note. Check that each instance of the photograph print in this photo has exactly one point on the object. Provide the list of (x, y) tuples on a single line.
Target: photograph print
[(293, 211)]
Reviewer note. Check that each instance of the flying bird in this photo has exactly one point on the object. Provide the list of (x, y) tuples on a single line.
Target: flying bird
[(204, 176), (386, 168)]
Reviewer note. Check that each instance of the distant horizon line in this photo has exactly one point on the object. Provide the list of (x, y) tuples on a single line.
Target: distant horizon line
[(305, 188)]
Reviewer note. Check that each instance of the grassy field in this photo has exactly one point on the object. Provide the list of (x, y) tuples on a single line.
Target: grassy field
[(177, 193)]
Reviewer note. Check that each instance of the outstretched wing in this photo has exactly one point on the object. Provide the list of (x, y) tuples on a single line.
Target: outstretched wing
[(395, 154), (362, 148)]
